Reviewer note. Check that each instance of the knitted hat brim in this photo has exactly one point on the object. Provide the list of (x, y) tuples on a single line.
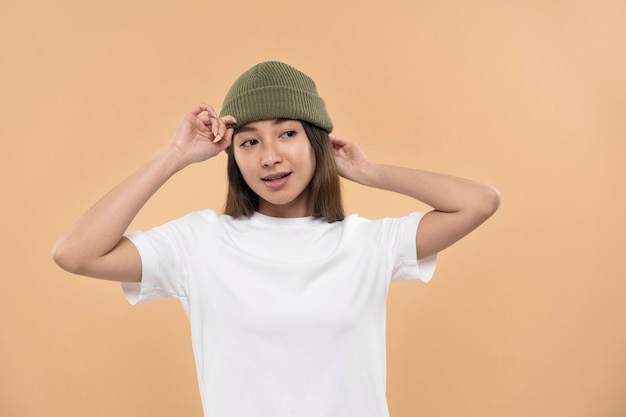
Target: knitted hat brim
[(278, 103), (290, 95)]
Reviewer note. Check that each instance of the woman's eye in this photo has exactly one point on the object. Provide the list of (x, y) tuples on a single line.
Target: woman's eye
[(290, 133), (249, 142)]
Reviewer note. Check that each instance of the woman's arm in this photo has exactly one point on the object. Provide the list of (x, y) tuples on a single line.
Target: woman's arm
[(94, 246), (459, 205)]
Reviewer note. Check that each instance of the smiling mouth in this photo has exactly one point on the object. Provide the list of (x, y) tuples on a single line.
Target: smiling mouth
[(276, 177)]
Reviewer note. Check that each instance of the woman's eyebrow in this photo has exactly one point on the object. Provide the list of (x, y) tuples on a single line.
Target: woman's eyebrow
[(245, 129)]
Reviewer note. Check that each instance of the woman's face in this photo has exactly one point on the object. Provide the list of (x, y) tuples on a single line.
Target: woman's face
[(277, 162)]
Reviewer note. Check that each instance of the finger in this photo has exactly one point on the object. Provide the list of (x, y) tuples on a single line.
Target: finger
[(229, 119), (223, 123), (228, 137), (337, 141), (202, 107), (340, 153), (219, 128), (211, 121), (224, 141), (212, 111), (205, 118), (220, 135), (215, 128)]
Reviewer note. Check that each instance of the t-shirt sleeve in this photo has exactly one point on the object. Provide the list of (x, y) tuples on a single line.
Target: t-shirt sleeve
[(403, 252), (163, 258)]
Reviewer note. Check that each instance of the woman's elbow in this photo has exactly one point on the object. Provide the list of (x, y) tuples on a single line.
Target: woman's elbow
[(65, 257), (490, 201)]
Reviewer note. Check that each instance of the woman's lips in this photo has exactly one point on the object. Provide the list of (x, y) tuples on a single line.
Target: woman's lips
[(276, 180)]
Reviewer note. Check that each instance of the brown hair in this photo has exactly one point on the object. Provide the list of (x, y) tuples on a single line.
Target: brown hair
[(324, 188)]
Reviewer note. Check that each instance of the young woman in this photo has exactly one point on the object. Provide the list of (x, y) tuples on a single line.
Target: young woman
[(285, 296)]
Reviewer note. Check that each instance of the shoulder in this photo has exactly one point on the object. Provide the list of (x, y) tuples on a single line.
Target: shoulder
[(357, 221), (194, 219), (388, 232), (187, 226), (207, 216)]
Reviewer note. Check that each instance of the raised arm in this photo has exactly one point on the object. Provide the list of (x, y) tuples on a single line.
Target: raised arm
[(94, 246), (460, 205)]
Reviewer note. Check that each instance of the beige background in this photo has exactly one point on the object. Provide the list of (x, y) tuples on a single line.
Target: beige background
[(525, 317)]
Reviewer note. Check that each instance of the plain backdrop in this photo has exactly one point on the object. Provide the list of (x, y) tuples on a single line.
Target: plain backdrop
[(524, 317)]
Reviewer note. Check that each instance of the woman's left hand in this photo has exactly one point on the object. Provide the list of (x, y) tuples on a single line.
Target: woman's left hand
[(350, 159)]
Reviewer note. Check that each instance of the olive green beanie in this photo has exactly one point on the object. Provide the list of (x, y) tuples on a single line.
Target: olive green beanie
[(275, 90)]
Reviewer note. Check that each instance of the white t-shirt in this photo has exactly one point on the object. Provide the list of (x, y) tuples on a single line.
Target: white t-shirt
[(287, 315)]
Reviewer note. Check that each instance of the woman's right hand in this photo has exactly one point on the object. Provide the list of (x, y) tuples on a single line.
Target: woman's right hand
[(195, 135)]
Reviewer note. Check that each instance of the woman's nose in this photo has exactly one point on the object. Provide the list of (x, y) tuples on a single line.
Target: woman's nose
[(271, 155)]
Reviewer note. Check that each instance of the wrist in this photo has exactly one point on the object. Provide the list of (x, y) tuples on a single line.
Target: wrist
[(171, 159), (367, 173)]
